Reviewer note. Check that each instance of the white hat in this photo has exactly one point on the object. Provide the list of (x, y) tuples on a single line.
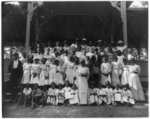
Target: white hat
[(99, 41), (84, 39), (120, 41)]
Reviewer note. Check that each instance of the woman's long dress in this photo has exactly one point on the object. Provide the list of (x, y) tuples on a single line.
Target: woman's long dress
[(59, 75), (135, 84), (69, 72), (82, 83), (35, 74), (27, 73), (125, 75), (52, 73), (105, 69), (42, 75), (115, 74)]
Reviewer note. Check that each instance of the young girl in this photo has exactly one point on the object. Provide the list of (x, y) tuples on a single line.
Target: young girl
[(51, 99), (115, 72), (74, 97), (127, 96), (92, 95), (27, 72), (36, 96), (106, 70), (101, 95), (67, 90), (125, 73), (35, 72), (60, 95), (117, 95)]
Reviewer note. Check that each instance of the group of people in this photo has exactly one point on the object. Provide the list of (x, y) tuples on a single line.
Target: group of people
[(78, 74)]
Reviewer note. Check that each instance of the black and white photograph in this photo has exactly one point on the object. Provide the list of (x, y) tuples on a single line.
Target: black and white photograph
[(74, 59)]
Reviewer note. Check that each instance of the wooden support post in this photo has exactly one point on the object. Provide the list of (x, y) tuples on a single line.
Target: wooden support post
[(124, 19), (29, 12)]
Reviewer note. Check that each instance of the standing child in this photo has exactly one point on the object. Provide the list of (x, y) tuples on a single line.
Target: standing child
[(74, 97), (101, 95), (67, 90), (51, 99), (36, 96), (60, 95)]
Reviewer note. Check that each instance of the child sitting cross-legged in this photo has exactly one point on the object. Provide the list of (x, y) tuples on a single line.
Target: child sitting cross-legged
[(127, 96), (67, 90), (60, 95), (25, 95), (101, 95), (74, 97), (36, 96), (44, 96), (92, 95), (118, 95), (51, 99)]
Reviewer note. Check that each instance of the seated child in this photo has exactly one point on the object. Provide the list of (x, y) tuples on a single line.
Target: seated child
[(26, 95), (36, 96), (74, 99), (44, 96), (92, 95), (109, 94), (101, 95), (51, 99), (117, 95), (67, 90), (127, 96), (60, 95)]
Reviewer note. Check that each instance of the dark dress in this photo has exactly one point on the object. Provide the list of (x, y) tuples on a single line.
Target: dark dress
[(15, 77)]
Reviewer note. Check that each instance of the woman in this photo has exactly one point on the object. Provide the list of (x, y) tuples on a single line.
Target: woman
[(82, 81), (27, 72), (106, 70), (134, 81)]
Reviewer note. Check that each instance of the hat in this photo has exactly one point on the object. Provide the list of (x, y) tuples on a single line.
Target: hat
[(16, 54), (84, 39), (120, 41), (99, 41)]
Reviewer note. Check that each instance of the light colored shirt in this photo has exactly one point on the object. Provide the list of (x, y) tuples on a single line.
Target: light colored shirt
[(15, 64)]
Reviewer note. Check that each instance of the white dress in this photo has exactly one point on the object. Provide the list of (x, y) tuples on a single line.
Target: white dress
[(27, 73), (35, 73), (125, 75), (106, 69), (82, 83), (59, 75), (42, 75), (135, 83), (67, 92), (52, 73), (74, 98), (69, 72)]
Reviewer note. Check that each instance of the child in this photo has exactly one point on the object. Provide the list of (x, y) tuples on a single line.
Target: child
[(26, 95), (127, 96), (36, 96), (117, 95), (60, 95), (51, 99), (67, 90), (74, 99), (101, 96), (44, 96), (109, 93), (92, 95)]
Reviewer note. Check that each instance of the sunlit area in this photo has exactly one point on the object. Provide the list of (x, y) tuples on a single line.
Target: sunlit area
[(139, 4)]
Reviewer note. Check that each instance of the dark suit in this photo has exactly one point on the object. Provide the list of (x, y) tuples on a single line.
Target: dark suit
[(15, 77), (35, 47)]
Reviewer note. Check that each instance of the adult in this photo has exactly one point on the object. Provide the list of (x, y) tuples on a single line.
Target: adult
[(37, 47), (134, 81), (82, 83), (16, 73)]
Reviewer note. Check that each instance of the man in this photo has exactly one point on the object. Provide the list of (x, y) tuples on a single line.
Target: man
[(16, 73), (37, 47)]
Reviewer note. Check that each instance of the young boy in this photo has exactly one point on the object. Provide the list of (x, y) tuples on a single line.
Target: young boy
[(36, 96), (60, 95), (44, 96), (109, 94)]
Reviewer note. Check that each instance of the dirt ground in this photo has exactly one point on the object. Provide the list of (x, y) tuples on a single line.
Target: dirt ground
[(139, 110)]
